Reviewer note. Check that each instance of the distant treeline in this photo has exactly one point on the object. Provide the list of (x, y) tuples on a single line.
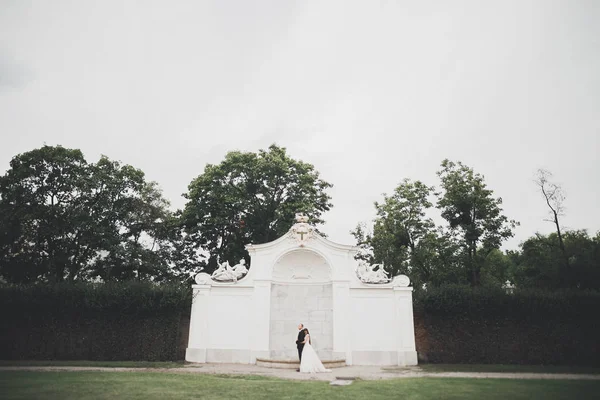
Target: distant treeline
[(63, 218)]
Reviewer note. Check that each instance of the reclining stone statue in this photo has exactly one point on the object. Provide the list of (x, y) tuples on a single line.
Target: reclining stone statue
[(372, 273), (227, 273)]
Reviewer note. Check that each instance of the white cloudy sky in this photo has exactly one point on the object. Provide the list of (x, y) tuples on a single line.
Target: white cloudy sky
[(370, 92)]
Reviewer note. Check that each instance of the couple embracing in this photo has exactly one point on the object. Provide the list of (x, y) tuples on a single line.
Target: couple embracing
[(309, 360)]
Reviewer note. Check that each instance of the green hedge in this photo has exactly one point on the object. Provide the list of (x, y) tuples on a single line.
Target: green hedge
[(126, 321), (457, 324), (453, 324)]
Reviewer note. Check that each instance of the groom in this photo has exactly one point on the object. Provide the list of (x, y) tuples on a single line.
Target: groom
[(299, 343)]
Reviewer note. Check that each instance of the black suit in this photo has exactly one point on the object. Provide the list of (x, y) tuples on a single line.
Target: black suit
[(299, 343)]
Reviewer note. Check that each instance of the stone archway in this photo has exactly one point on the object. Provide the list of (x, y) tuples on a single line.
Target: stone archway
[(301, 292)]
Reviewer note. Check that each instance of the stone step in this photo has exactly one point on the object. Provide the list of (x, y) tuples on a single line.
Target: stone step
[(294, 364)]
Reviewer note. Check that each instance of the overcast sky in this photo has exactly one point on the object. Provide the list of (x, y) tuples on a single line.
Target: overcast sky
[(370, 92)]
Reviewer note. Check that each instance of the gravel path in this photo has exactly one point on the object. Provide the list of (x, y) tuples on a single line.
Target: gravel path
[(351, 372)]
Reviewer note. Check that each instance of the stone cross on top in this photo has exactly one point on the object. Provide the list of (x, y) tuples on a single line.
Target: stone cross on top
[(301, 231)]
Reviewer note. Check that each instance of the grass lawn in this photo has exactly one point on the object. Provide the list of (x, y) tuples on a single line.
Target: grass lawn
[(84, 363), (547, 369), (557, 369), (152, 385)]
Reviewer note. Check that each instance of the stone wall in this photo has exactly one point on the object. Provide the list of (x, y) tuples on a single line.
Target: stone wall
[(311, 305)]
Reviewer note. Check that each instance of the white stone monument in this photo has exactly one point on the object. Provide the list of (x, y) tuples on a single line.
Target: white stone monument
[(355, 312)]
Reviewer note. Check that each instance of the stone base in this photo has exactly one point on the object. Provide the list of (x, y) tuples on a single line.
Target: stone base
[(406, 358), (195, 355), (262, 358), (283, 364)]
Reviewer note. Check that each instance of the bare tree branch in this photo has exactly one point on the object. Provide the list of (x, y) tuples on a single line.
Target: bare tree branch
[(554, 196)]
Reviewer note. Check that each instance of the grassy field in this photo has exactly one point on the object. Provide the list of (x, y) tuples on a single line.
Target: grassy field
[(557, 369), (150, 385), (547, 369)]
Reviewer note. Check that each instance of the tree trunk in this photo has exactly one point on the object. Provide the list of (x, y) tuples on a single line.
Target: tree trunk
[(475, 277), (561, 245), (475, 270)]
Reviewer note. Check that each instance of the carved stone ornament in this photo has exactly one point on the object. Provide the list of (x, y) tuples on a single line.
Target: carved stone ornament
[(401, 280), (372, 273), (203, 278), (227, 273), (301, 231)]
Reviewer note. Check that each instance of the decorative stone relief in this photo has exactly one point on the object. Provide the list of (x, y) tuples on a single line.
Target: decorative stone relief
[(227, 273), (301, 231), (203, 278), (401, 280), (372, 273)]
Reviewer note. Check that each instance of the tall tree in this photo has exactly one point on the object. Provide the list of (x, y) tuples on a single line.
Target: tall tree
[(473, 214), (398, 229), (132, 216), (45, 224), (437, 259), (250, 198), (554, 197), (62, 218)]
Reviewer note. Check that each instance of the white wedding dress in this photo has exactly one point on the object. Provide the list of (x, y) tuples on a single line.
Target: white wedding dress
[(310, 360)]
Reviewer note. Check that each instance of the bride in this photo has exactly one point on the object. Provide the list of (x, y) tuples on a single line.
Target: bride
[(310, 360)]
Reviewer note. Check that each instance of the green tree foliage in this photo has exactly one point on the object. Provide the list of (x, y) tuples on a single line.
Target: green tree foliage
[(496, 269), (42, 197), (250, 198), (438, 260), (407, 241), (472, 214), (539, 263), (403, 238), (62, 218)]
